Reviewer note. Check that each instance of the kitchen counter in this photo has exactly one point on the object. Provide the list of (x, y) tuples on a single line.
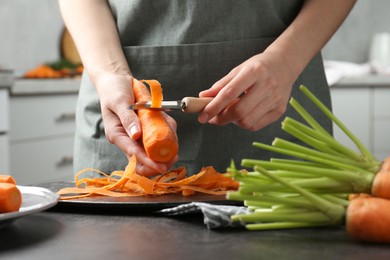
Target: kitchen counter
[(6, 78), (364, 81), (19, 86), (59, 235), (45, 86)]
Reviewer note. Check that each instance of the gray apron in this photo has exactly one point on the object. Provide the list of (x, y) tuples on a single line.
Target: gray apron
[(187, 46)]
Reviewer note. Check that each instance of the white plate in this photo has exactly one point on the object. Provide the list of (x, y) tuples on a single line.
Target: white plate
[(34, 199)]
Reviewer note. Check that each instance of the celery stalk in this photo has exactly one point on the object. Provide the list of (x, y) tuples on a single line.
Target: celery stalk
[(285, 225), (308, 118), (357, 181), (333, 211), (311, 188), (310, 216), (331, 116), (317, 139)]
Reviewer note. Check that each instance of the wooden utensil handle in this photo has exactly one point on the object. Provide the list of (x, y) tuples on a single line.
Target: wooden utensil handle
[(195, 105)]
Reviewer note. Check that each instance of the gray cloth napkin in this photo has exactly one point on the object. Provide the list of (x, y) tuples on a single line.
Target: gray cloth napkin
[(214, 216)]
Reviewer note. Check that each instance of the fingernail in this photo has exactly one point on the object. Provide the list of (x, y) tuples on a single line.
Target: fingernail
[(203, 118), (134, 132)]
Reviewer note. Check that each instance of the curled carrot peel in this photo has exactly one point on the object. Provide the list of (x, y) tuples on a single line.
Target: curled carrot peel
[(159, 139), (155, 91), (128, 183)]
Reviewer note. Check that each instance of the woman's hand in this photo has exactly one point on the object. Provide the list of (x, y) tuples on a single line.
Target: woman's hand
[(252, 96), (267, 78), (122, 126)]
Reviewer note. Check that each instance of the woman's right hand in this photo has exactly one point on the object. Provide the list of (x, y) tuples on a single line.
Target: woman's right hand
[(122, 125)]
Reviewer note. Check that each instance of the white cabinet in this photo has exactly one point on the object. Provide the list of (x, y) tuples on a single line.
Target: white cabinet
[(351, 106), (42, 159), (41, 137), (4, 122), (4, 168), (381, 128), (41, 116), (365, 110), (4, 111)]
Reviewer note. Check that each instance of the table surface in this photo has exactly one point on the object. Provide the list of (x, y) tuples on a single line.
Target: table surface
[(55, 234)]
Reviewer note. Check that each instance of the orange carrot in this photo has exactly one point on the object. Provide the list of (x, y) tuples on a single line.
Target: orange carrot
[(368, 219), (7, 179), (159, 139), (128, 183), (156, 92), (10, 198), (44, 71), (381, 184)]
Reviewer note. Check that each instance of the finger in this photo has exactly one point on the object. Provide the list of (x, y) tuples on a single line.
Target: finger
[(260, 123), (144, 170), (144, 166), (117, 135), (217, 86), (226, 96), (203, 117), (263, 115), (254, 102)]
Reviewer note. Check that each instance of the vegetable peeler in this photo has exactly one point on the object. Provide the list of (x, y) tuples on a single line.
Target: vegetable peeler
[(187, 105)]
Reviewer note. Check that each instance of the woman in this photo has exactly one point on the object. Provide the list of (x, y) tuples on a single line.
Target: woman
[(263, 48)]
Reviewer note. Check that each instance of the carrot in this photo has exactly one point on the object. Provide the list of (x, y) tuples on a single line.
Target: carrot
[(368, 219), (328, 184), (43, 71), (381, 184), (129, 184), (156, 92), (331, 166), (7, 179), (10, 198), (159, 139)]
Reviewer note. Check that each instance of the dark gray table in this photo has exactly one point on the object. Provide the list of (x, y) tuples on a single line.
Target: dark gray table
[(61, 235)]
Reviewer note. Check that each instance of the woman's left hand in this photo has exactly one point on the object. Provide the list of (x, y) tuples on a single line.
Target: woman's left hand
[(252, 96)]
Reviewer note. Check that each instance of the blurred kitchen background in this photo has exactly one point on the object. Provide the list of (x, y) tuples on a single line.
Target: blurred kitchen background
[(37, 115)]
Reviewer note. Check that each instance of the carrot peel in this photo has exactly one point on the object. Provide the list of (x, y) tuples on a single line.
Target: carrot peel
[(155, 92), (130, 184)]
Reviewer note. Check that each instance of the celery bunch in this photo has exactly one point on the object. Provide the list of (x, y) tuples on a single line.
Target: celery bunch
[(312, 188)]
